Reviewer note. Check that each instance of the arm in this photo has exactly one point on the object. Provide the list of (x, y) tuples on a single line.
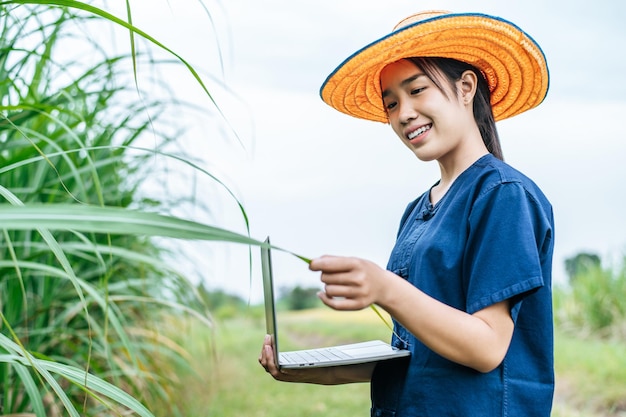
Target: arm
[(322, 376), (478, 340)]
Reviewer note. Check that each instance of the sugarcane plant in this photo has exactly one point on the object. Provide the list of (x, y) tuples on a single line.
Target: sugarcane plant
[(83, 283)]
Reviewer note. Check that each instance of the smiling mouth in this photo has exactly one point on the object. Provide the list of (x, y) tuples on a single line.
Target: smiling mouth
[(419, 131)]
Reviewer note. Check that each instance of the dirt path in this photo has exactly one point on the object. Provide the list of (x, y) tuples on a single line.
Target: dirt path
[(566, 403)]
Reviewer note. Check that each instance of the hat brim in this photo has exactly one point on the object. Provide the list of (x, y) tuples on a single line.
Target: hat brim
[(511, 61)]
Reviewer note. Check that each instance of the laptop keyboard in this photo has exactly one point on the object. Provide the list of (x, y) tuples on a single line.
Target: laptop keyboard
[(313, 355)]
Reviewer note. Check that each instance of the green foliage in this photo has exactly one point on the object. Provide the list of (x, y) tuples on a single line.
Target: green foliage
[(594, 303), (221, 304), (80, 308), (581, 264), (300, 298), (593, 371), (83, 285)]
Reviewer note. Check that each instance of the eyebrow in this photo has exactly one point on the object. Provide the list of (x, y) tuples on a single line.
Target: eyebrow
[(405, 82)]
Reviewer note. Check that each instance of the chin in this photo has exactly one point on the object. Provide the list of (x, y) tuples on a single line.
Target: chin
[(425, 157)]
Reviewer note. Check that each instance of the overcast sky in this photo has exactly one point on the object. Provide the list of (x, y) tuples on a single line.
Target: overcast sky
[(320, 182)]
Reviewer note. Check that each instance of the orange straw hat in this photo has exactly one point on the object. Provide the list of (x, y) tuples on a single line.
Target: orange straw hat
[(511, 61)]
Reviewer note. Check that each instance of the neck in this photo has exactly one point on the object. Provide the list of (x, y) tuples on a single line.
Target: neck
[(453, 165)]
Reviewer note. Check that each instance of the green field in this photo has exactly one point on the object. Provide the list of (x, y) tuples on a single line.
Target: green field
[(591, 375)]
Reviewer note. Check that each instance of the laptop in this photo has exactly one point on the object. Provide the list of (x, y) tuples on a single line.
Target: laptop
[(355, 353)]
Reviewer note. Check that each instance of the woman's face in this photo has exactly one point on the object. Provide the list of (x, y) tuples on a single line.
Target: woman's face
[(429, 123)]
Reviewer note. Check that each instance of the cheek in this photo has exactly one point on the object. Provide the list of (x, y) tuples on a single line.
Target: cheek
[(398, 134)]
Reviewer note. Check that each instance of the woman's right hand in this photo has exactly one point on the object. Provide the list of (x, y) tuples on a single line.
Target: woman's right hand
[(323, 376)]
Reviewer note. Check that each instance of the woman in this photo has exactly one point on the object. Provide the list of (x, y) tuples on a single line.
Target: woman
[(468, 283)]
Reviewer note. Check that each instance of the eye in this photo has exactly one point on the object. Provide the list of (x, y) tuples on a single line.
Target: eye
[(390, 105), (418, 90)]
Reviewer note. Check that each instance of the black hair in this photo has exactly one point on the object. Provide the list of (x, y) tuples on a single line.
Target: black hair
[(453, 69)]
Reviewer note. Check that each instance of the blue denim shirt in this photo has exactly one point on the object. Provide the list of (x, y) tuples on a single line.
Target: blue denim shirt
[(489, 239)]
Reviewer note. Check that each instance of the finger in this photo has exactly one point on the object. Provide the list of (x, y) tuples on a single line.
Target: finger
[(330, 264), (268, 362), (340, 291), (264, 358), (262, 349), (268, 353), (337, 278), (341, 303)]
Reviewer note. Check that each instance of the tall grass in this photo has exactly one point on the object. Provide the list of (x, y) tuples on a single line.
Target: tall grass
[(82, 287), (593, 303)]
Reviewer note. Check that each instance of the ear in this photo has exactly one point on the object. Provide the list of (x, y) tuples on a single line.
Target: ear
[(467, 85)]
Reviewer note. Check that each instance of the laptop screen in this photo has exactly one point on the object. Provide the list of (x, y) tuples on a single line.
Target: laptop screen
[(268, 296)]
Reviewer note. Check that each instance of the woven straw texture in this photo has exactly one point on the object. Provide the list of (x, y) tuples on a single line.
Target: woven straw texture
[(510, 60)]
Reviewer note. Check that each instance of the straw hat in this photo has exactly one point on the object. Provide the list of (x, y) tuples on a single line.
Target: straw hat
[(511, 61)]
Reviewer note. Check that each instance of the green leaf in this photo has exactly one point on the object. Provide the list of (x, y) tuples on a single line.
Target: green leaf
[(114, 220)]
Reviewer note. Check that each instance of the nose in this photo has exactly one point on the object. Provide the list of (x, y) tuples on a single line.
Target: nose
[(406, 111)]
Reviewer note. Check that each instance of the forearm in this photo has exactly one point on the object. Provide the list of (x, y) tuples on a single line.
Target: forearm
[(347, 374), (479, 340), (475, 340)]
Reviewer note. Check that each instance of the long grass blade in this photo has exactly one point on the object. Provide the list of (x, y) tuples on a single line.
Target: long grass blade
[(114, 220), (133, 29), (36, 400), (74, 375), (25, 358)]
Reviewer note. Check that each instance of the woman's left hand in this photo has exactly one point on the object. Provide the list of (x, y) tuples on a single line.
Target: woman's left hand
[(350, 283)]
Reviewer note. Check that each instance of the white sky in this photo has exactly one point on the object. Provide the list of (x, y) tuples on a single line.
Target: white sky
[(321, 182)]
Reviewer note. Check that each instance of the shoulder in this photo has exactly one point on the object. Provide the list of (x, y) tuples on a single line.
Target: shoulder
[(491, 173)]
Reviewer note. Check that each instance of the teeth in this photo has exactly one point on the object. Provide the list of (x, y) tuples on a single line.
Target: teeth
[(418, 131)]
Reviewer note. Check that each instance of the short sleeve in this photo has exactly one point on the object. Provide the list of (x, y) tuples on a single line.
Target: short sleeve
[(507, 228)]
